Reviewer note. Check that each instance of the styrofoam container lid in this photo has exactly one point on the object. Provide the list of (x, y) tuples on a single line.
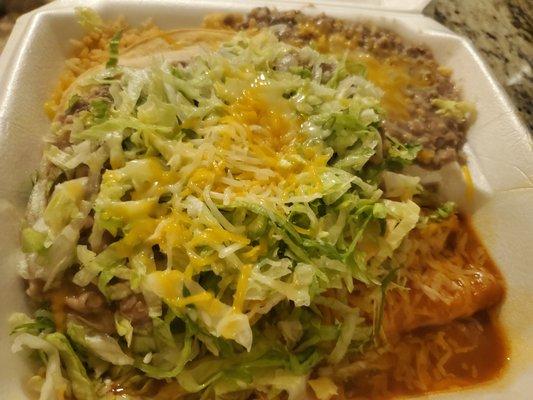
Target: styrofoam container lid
[(499, 151), (391, 5)]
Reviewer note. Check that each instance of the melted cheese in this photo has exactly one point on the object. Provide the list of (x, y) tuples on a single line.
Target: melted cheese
[(469, 182), (264, 106), (220, 319), (217, 236), (167, 284), (256, 252), (138, 232), (393, 74), (271, 129), (57, 306), (242, 286)]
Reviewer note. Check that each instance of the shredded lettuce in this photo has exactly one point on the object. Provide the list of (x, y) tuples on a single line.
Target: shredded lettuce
[(440, 213), (461, 111), (103, 346), (42, 323), (401, 154), (124, 328), (214, 206), (170, 354), (218, 318), (348, 332), (55, 385), (323, 387), (444, 211), (89, 19), (82, 387), (113, 50), (32, 240)]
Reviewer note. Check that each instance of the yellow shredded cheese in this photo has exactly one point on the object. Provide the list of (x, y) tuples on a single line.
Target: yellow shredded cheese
[(469, 183), (242, 286)]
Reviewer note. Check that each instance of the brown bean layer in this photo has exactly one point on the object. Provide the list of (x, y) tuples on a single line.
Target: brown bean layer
[(410, 114)]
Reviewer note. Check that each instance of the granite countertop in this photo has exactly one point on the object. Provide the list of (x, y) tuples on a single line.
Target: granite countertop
[(502, 30)]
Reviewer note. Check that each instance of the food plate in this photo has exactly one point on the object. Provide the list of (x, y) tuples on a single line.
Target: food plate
[(499, 151)]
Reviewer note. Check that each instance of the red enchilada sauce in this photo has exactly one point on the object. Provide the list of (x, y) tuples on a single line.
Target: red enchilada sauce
[(459, 354)]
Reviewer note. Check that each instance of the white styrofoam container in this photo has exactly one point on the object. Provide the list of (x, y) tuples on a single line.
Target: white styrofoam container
[(499, 150)]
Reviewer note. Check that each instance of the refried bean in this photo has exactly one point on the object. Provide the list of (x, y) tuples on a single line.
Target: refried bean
[(408, 74)]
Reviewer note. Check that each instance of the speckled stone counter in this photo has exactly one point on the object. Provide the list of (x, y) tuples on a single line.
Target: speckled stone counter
[(502, 30)]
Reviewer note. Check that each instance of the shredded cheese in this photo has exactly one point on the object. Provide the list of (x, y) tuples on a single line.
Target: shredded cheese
[(242, 285)]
